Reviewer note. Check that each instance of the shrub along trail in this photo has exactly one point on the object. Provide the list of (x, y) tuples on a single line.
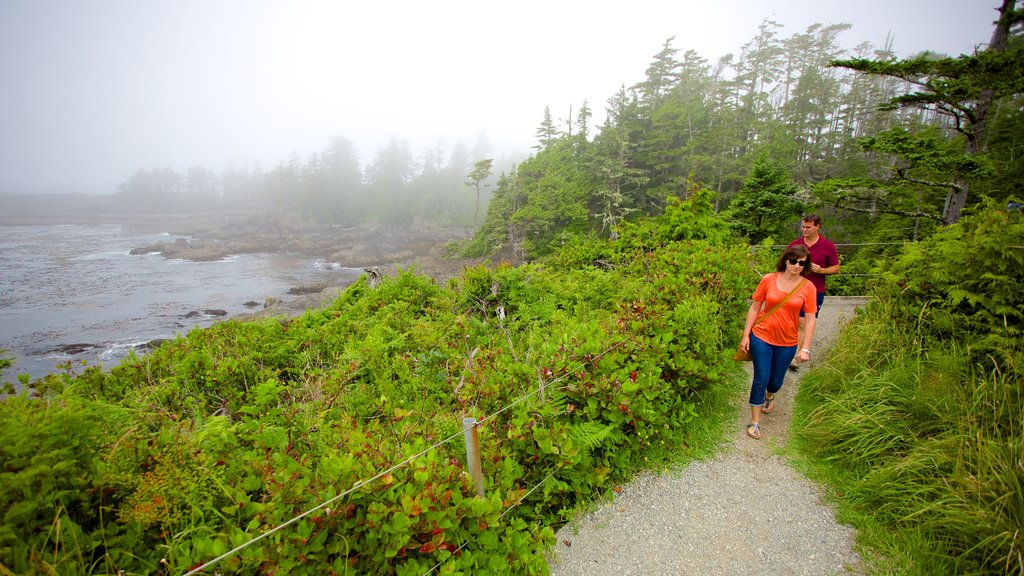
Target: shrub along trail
[(744, 511)]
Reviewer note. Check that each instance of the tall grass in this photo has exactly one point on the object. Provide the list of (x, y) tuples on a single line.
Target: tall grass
[(923, 447)]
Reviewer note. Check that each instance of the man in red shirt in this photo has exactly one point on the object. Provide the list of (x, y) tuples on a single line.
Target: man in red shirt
[(824, 259)]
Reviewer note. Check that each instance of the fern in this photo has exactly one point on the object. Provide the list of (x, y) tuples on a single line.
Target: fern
[(590, 435)]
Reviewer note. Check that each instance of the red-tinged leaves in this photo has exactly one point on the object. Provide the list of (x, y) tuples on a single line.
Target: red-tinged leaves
[(428, 548)]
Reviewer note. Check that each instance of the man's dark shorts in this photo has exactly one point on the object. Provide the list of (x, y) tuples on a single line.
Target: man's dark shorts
[(821, 299)]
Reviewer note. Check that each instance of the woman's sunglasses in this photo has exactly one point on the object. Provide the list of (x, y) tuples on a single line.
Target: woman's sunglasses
[(795, 262)]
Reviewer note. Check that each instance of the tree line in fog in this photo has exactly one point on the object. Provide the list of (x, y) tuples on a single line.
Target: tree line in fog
[(330, 186), (899, 146), (857, 131)]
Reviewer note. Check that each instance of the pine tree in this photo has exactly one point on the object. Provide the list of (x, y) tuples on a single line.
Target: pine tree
[(964, 90), (767, 203)]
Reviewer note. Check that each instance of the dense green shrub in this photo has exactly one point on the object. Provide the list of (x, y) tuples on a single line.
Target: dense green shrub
[(918, 413), (578, 374), (964, 282)]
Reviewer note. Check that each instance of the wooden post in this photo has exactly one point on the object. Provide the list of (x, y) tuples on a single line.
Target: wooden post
[(469, 430)]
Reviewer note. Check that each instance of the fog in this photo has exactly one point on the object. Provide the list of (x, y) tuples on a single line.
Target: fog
[(94, 90)]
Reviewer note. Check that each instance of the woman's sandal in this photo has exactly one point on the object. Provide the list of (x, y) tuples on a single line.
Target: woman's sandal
[(769, 404), (754, 431)]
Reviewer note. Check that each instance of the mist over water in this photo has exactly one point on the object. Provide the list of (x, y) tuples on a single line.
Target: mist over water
[(77, 286)]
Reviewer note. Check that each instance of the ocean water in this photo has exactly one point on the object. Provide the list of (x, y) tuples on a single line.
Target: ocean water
[(73, 292)]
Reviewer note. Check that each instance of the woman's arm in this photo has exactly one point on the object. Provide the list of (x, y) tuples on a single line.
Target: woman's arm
[(755, 308), (804, 354)]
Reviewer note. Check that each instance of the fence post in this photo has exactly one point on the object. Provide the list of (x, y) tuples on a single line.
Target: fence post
[(469, 430)]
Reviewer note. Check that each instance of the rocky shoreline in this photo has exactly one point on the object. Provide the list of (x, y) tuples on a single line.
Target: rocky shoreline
[(207, 236), (372, 247), (356, 247)]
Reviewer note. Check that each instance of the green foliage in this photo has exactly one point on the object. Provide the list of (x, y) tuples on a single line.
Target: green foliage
[(767, 203), (693, 219), (171, 459), (965, 90), (584, 250), (952, 82), (5, 363), (922, 448), (916, 418), (481, 171), (930, 167), (682, 220), (1004, 138), (56, 511), (541, 205), (928, 152), (964, 281)]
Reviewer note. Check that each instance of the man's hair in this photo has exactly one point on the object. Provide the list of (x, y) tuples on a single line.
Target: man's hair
[(812, 218)]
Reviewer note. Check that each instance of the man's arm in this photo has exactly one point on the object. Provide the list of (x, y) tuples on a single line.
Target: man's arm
[(828, 270)]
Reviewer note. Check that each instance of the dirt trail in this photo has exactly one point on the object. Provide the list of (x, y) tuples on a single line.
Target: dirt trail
[(744, 511)]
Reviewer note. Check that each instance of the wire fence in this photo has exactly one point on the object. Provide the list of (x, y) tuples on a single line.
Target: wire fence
[(540, 390), (545, 386), (844, 283)]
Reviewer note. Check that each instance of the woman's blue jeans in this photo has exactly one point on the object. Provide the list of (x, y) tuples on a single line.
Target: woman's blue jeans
[(770, 365)]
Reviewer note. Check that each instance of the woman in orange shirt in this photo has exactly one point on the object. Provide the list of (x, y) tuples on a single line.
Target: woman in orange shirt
[(773, 340)]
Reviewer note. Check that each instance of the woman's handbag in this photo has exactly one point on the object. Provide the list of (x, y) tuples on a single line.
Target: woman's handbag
[(740, 355)]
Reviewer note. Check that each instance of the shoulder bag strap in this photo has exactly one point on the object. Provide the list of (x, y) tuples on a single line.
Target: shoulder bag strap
[(779, 305)]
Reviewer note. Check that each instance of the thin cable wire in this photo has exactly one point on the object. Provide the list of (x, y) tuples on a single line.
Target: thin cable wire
[(555, 381), (507, 510), (524, 496), (283, 525), (878, 243), (323, 504), (440, 562), (776, 246)]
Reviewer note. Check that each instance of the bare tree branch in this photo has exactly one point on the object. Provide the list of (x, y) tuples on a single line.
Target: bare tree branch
[(904, 176), (893, 211)]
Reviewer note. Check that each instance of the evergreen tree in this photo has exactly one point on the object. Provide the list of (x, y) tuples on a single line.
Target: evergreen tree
[(758, 71), (583, 121), (766, 204), (546, 132), (481, 171), (965, 91), (202, 184), (812, 95)]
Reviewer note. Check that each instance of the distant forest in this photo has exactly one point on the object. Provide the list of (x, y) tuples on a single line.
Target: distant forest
[(882, 146), (788, 123)]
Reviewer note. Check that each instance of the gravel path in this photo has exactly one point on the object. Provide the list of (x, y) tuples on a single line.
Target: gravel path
[(744, 511)]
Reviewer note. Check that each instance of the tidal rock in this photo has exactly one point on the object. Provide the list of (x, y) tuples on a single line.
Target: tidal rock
[(311, 289), (207, 312), (73, 349)]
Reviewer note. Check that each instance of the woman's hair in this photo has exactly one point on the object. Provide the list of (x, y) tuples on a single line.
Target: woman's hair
[(797, 251)]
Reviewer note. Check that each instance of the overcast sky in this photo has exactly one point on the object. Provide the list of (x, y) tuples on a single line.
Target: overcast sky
[(93, 90)]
